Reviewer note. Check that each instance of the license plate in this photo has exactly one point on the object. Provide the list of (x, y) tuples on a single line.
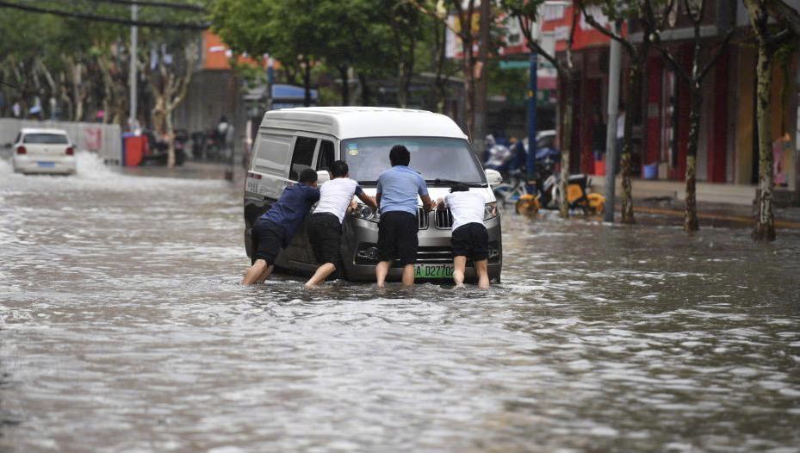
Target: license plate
[(252, 185), (433, 271), (46, 164)]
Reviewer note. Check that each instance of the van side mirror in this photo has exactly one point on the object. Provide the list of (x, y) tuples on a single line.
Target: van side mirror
[(494, 177), (323, 176)]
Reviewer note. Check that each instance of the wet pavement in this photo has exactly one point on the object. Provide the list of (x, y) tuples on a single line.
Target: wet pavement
[(123, 328)]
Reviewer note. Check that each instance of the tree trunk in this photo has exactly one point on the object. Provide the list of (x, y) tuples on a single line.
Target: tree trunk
[(366, 95), (307, 82), (440, 42), (764, 229), (170, 140), (690, 221), (343, 73), (566, 143), (469, 94), (482, 79), (634, 82)]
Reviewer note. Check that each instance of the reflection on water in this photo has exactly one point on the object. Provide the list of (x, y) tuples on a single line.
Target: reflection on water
[(123, 328)]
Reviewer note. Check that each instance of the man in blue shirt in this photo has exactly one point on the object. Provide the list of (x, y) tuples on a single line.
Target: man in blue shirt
[(275, 229), (397, 193)]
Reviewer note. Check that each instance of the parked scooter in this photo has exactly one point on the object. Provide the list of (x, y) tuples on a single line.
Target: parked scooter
[(549, 188)]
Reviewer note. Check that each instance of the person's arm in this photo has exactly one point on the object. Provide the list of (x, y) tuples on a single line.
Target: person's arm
[(427, 204), (378, 195), (369, 201), (422, 190)]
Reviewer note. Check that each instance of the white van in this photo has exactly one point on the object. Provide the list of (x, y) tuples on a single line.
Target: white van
[(292, 140)]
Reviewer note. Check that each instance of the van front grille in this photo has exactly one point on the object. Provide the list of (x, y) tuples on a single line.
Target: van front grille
[(423, 219), (444, 219)]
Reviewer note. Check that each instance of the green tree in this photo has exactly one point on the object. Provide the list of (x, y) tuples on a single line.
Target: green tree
[(527, 12), (632, 12), (702, 63), (772, 39)]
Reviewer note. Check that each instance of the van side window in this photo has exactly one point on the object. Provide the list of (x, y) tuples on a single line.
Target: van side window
[(302, 157), (325, 158)]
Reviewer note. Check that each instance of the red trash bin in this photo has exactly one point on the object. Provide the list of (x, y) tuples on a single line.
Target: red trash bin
[(135, 149)]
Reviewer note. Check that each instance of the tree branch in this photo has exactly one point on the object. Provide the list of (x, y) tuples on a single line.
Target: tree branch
[(616, 37), (704, 72)]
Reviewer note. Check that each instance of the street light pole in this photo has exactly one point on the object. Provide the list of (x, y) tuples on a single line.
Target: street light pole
[(532, 89), (611, 128), (134, 38)]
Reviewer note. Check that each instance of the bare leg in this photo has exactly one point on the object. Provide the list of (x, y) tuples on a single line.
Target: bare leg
[(254, 272), (267, 272), (408, 275), (459, 264), (381, 271), (482, 268), (321, 274)]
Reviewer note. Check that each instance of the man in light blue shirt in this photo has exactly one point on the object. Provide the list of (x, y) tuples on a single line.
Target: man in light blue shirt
[(397, 193)]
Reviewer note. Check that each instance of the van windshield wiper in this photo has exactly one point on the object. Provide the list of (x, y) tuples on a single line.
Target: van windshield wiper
[(450, 182)]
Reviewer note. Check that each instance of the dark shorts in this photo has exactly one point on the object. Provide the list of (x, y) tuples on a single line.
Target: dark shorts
[(267, 241), (325, 235), (397, 237), (471, 240)]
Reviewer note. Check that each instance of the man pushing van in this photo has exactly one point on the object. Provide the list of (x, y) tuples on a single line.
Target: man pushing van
[(275, 228), (469, 238), (397, 193), (325, 224)]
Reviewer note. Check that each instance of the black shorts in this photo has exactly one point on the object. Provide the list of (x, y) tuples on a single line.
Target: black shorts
[(471, 240), (325, 235), (397, 237), (268, 239)]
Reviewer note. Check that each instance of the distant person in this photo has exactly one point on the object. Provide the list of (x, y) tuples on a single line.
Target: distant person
[(274, 230), (16, 110), (469, 238), (325, 224), (598, 136), (398, 188)]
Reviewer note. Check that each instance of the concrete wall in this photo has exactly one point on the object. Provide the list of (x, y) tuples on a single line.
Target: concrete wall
[(104, 139)]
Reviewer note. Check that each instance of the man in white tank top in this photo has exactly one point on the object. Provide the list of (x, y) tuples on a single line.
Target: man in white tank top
[(325, 224), (469, 238)]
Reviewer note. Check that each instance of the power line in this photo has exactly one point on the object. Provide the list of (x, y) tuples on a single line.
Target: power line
[(168, 5), (109, 19)]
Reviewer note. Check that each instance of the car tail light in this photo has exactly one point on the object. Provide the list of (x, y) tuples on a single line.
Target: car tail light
[(22, 150), (70, 151)]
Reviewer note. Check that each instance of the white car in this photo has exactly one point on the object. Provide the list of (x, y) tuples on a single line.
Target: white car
[(43, 151)]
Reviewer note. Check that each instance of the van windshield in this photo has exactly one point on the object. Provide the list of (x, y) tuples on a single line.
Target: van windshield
[(446, 159)]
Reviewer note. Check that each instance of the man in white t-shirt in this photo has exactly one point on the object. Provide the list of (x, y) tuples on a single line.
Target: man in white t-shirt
[(325, 224), (469, 237)]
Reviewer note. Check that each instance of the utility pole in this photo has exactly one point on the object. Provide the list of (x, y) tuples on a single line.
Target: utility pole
[(611, 128), (481, 77), (532, 94), (134, 38)]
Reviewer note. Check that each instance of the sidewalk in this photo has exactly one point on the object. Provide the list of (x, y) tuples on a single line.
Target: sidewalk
[(727, 205), (734, 194)]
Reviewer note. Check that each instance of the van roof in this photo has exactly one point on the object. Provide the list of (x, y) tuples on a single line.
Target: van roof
[(356, 122)]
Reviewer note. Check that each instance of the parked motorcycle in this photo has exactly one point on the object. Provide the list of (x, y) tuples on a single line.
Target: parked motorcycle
[(548, 183)]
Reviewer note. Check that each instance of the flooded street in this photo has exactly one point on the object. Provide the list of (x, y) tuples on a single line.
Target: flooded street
[(123, 328)]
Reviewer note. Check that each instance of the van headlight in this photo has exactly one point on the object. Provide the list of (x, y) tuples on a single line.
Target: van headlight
[(490, 211), (364, 212)]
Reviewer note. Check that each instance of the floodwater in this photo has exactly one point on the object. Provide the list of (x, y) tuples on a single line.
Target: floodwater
[(123, 329)]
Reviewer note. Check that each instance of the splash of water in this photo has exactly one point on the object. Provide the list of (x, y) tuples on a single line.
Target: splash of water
[(91, 166)]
